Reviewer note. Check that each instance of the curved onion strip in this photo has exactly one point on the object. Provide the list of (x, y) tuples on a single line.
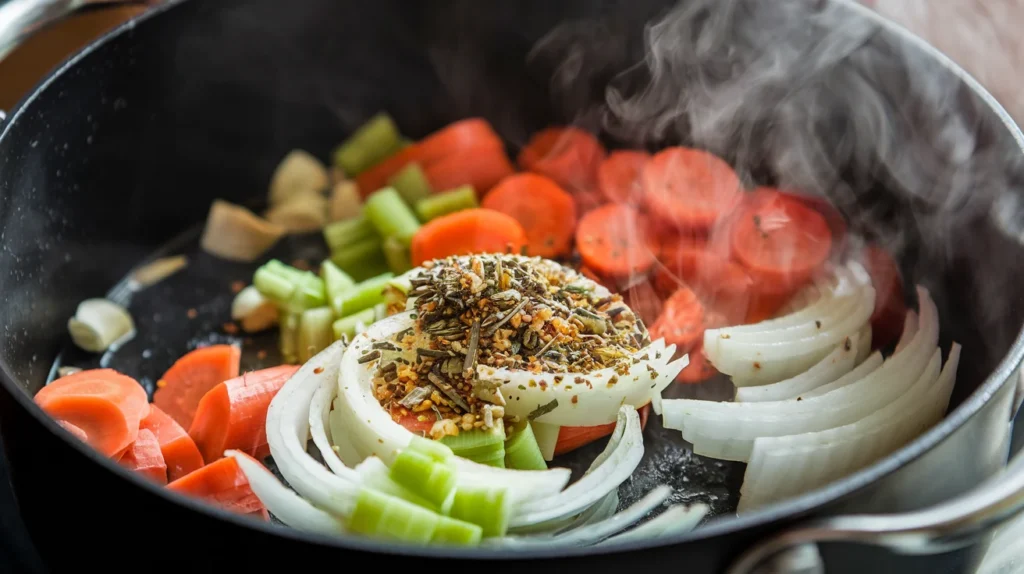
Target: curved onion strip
[(616, 464), (909, 330), (676, 519), (834, 365), (373, 432), (282, 502), (862, 370), (834, 309), (288, 432), (741, 423), (319, 413), (784, 466), (340, 439), (600, 510)]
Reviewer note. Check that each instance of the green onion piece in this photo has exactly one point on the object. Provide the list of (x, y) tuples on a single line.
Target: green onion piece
[(397, 255), (315, 332), (287, 337), (485, 446), (346, 326), (462, 197), (424, 476), (342, 234), (374, 141), (384, 516), (452, 532), (291, 289), (391, 216), (521, 450), (488, 507), (364, 295), (411, 183), (336, 282), (361, 260), (431, 448)]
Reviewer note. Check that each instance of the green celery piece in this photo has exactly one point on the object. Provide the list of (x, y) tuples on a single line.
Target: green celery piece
[(463, 197), (496, 459), (431, 448), (384, 516), (342, 234), (374, 141), (315, 332), (287, 336), (423, 476), (411, 183), (364, 295), (478, 443), (361, 260), (336, 282), (346, 326), (397, 255), (306, 289), (488, 507), (391, 216), (521, 450), (452, 532)]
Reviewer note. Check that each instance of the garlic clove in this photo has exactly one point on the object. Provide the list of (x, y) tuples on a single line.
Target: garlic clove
[(233, 232), (298, 172), (100, 324), (345, 202)]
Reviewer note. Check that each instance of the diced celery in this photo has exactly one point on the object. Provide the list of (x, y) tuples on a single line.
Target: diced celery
[(374, 141), (488, 507), (336, 282), (452, 532), (342, 234), (397, 255), (391, 216), (479, 444), (521, 450), (423, 476), (346, 326), (361, 260), (431, 448), (315, 332), (463, 197), (383, 516), (288, 332), (364, 295), (291, 289), (411, 183)]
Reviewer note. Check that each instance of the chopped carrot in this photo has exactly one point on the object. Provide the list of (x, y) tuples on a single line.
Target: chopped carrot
[(468, 231), (546, 212), (233, 414), (689, 188), (587, 200), (718, 282), (482, 168), (699, 369), (643, 300), (618, 176), (145, 457), (103, 404), (568, 155), (179, 450), (467, 134), (890, 305), (572, 438), (77, 432), (836, 222), (780, 241), (191, 376), (222, 483), (681, 322), (611, 242)]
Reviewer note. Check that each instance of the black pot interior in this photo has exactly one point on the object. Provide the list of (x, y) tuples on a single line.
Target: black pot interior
[(119, 153)]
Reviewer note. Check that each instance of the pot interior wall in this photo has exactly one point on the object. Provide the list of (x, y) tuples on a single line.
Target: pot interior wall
[(126, 148)]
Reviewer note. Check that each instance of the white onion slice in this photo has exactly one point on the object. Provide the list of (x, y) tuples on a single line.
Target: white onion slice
[(862, 370), (909, 330), (676, 519), (834, 365), (340, 439), (319, 419), (284, 503), (547, 438)]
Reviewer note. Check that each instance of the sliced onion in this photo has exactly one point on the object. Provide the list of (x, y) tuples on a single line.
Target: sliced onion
[(909, 329), (547, 438), (862, 370), (340, 438), (676, 519), (836, 364), (319, 420), (709, 425), (282, 502)]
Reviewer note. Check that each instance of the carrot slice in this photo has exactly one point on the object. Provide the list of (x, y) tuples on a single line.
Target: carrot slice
[(689, 188), (222, 483), (103, 404), (546, 212), (178, 449), (482, 168), (643, 299), (77, 432), (619, 176), (572, 438), (465, 232), (568, 155), (718, 282), (145, 457), (890, 305), (681, 322), (467, 134), (233, 414), (835, 220), (781, 242), (611, 242), (190, 377), (699, 368)]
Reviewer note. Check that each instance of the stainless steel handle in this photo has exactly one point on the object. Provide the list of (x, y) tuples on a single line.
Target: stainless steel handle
[(946, 526)]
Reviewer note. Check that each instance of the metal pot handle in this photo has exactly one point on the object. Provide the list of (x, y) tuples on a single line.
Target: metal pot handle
[(946, 526)]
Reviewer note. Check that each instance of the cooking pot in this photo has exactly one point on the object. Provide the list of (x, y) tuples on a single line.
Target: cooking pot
[(126, 144)]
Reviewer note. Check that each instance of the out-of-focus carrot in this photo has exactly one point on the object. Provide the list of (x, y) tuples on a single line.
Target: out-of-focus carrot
[(77, 432), (572, 438), (718, 282), (682, 321), (190, 377), (890, 305), (836, 222), (466, 232), (103, 404), (233, 414), (221, 483), (699, 368), (482, 168), (568, 155), (689, 188), (611, 242), (643, 300), (619, 176), (546, 212), (179, 450), (144, 457)]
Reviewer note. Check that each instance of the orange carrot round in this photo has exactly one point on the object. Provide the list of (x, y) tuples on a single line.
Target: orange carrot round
[(689, 188), (699, 368), (145, 457), (190, 377), (890, 305), (546, 212), (718, 282), (221, 483), (568, 155), (178, 449), (619, 176), (681, 322), (611, 243), (75, 431), (466, 232), (572, 438), (480, 167)]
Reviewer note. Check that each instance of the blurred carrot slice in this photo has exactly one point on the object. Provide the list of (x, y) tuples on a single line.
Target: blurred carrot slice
[(482, 168), (619, 176), (568, 155), (190, 377), (546, 212), (689, 188), (179, 450), (466, 232), (681, 322), (145, 457), (699, 368), (610, 240), (890, 304)]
